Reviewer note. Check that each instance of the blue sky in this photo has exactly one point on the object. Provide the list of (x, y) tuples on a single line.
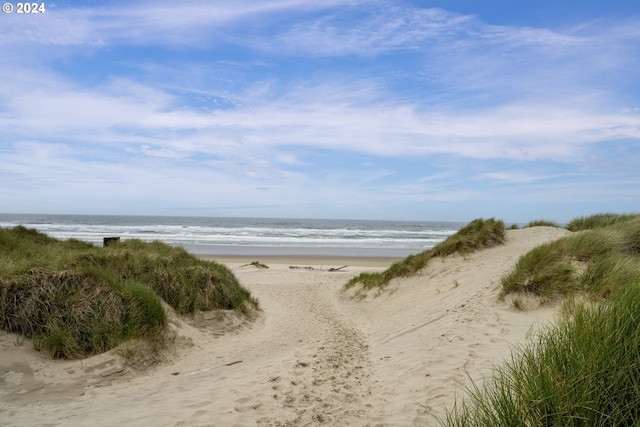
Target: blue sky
[(426, 110)]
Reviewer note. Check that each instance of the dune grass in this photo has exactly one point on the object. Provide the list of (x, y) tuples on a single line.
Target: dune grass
[(596, 261), (74, 299), (541, 223), (598, 221), (585, 370), (478, 234)]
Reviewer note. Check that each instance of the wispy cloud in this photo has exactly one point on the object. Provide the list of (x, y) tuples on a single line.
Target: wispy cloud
[(261, 98), (160, 23)]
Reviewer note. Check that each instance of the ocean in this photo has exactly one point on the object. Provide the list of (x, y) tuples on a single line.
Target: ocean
[(249, 236)]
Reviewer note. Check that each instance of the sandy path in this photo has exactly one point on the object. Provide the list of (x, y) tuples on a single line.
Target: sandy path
[(428, 334), (302, 362), (315, 356)]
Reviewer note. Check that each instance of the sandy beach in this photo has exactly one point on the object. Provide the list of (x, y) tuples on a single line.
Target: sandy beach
[(315, 355)]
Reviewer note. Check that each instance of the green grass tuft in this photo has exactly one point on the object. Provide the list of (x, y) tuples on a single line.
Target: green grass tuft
[(584, 371), (478, 234), (594, 260), (541, 223), (74, 299), (598, 221)]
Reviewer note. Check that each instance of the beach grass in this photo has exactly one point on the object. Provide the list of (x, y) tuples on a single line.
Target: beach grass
[(584, 370), (598, 221), (541, 223), (478, 234), (595, 260), (74, 299)]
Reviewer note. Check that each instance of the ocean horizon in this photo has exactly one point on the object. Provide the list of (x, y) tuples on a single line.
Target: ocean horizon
[(248, 236)]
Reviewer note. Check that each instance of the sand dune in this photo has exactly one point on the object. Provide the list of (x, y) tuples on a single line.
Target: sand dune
[(316, 355)]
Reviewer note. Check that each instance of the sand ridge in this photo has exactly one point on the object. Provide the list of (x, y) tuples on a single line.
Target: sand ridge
[(315, 356)]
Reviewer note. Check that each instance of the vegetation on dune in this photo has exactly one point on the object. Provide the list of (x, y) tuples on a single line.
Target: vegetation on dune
[(74, 299), (541, 223), (596, 260), (583, 371), (598, 221), (478, 234)]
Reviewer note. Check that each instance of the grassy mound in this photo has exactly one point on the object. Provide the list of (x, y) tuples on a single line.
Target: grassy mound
[(596, 260), (582, 372), (74, 299), (478, 234)]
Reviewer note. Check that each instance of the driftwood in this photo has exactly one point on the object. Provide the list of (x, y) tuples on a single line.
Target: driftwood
[(256, 264), (295, 267)]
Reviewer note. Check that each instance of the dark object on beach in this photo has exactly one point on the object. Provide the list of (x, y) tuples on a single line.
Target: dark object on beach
[(109, 240), (256, 264), (294, 267)]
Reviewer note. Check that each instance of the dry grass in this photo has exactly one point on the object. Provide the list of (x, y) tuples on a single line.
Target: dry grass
[(74, 299)]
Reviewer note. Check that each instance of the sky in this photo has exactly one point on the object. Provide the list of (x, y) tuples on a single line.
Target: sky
[(364, 109)]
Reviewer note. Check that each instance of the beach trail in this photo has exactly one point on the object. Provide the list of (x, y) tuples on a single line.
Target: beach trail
[(316, 355)]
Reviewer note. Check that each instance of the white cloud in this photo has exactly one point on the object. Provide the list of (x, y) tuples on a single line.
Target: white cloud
[(349, 116), (361, 81), (196, 23), (376, 29), (509, 177)]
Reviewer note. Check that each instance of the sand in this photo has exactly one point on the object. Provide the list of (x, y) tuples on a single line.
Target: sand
[(315, 355)]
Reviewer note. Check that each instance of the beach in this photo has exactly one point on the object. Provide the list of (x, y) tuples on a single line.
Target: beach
[(315, 355)]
